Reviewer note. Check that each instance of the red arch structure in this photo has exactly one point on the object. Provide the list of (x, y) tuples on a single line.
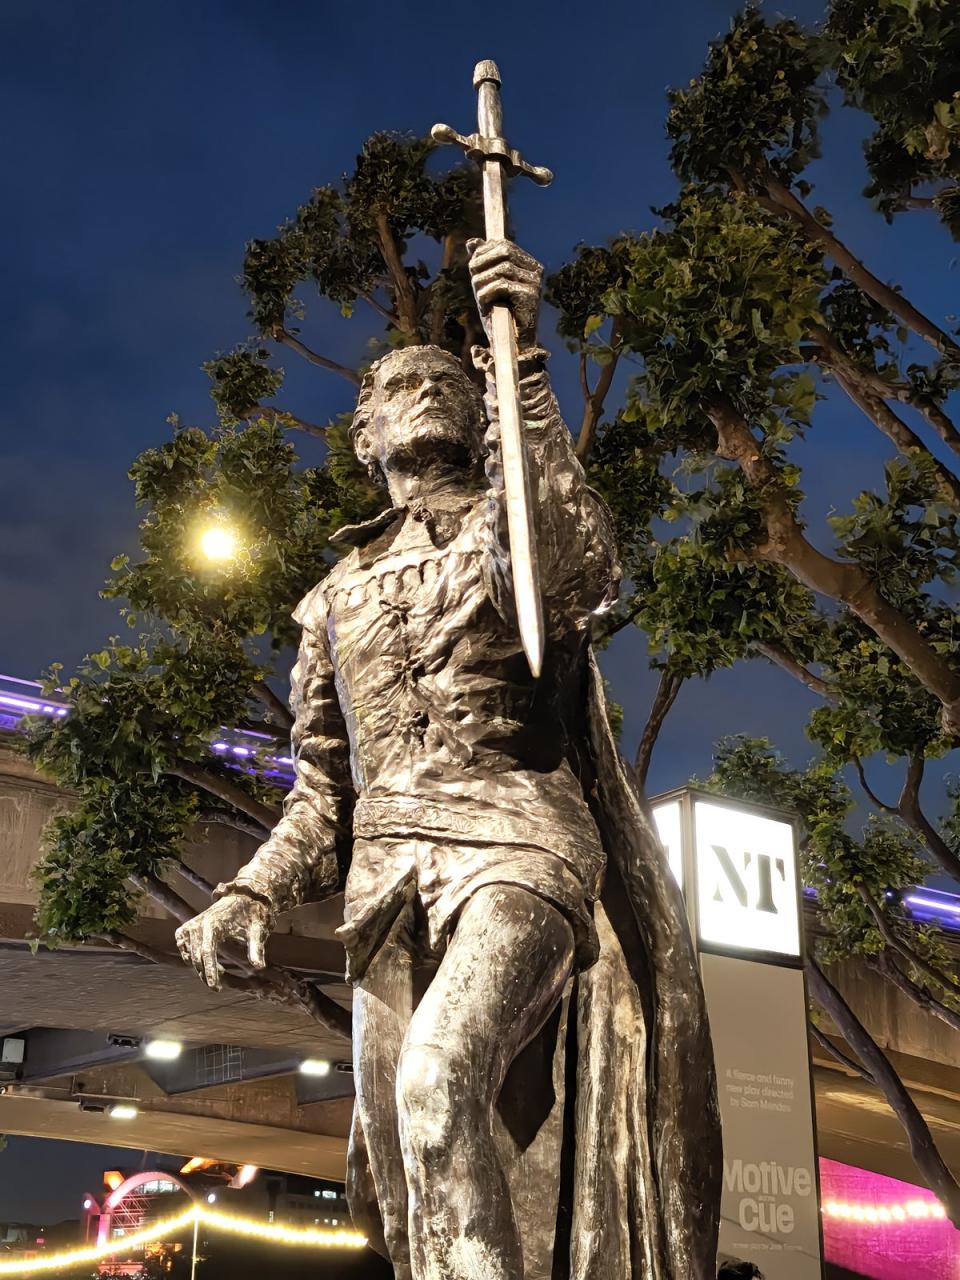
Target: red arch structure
[(126, 1208)]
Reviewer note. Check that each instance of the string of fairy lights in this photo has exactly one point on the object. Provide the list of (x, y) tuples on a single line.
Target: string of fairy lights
[(198, 1215), (886, 1214)]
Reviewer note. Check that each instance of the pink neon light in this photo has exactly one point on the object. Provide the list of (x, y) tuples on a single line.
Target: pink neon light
[(925, 1248)]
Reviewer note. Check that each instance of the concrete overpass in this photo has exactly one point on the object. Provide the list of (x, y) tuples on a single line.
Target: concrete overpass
[(237, 1093)]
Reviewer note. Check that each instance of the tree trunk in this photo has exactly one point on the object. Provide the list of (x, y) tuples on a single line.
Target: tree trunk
[(403, 290), (666, 695), (922, 1146)]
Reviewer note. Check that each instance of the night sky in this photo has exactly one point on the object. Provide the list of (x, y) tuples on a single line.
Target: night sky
[(145, 142)]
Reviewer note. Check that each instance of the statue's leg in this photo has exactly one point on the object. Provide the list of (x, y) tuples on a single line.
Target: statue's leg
[(504, 970), (382, 1004)]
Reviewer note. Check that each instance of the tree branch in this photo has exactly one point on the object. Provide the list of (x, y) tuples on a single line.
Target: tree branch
[(610, 624), (915, 992), (829, 353), (451, 241), (836, 1052), (896, 943), (897, 431), (787, 202), (378, 307), (912, 813), (923, 1148), (403, 290), (164, 897), (781, 658), (666, 695), (225, 818), (282, 335), (194, 877), (595, 399), (847, 583), (228, 792), (283, 418), (277, 709), (869, 792)]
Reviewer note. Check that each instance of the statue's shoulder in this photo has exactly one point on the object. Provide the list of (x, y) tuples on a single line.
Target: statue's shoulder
[(311, 612)]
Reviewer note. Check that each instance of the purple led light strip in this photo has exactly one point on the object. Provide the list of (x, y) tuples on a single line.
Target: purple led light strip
[(934, 902)]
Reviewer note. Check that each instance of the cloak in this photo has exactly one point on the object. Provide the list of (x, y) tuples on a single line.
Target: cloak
[(608, 1124)]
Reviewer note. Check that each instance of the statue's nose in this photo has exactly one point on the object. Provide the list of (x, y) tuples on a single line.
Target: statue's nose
[(430, 387)]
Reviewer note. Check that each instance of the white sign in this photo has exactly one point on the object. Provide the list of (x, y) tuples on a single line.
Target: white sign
[(746, 880), (769, 1209)]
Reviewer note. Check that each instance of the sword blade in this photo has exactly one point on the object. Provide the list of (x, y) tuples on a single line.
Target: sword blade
[(524, 563)]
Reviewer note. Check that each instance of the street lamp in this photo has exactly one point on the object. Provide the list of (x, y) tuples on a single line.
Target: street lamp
[(123, 1111), (163, 1050), (219, 542), (315, 1067)]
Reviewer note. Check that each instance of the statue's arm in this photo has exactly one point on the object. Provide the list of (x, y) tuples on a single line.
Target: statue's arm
[(579, 571), (299, 861)]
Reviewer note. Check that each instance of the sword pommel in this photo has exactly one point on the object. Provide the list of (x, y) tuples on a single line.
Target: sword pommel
[(486, 70)]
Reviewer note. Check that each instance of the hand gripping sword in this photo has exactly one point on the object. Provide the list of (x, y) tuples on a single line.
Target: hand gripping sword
[(498, 161)]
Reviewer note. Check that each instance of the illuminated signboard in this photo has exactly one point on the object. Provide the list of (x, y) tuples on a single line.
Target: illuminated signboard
[(746, 878), (738, 866)]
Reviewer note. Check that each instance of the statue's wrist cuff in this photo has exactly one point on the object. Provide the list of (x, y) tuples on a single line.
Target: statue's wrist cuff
[(243, 891)]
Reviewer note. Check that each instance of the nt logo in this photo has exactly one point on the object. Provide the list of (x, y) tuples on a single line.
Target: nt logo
[(734, 882)]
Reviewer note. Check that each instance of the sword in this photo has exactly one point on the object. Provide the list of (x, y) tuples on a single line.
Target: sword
[(498, 161)]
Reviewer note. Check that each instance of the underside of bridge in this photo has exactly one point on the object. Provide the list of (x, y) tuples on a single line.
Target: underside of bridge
[(84, 1016)]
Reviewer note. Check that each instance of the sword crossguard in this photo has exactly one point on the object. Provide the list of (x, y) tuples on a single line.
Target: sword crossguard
[(483, 150)]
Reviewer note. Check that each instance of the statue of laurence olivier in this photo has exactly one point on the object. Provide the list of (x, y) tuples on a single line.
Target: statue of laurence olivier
[(534, 1080)]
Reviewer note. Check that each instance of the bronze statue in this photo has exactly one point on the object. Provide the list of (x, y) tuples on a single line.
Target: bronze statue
[(535, 1092)]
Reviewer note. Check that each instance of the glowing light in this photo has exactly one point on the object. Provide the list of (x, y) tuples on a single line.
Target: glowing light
[(88, 1203), (113, 1178), (163, 1050), (219, 543), (123, 1111), (197, 1162), (931, 904), (245, 1175), (248, 1227), (212, 1198), (314, 1067)]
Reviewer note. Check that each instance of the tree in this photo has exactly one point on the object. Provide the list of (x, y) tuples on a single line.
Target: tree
[(741, 316), (740, 311)]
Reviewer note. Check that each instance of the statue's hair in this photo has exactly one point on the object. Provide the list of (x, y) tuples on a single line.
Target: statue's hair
[(367, 393)]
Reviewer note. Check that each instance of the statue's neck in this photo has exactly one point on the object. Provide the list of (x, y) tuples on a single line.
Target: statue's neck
[(440, 486)]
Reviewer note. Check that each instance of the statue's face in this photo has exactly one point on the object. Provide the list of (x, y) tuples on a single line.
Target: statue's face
[(423, 408)]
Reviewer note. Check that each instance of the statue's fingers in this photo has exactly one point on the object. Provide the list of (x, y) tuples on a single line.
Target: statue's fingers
[(504, 292), (506, 270), (487, 252), (210, 965), (257, 944), (182, 938)]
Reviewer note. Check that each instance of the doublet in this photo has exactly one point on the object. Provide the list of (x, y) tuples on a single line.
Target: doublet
[(428, 760)]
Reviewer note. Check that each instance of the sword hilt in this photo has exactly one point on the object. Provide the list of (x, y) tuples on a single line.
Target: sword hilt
[(484, 147)]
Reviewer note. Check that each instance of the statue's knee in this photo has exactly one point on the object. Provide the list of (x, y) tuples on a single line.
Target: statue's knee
[(428, 1097)]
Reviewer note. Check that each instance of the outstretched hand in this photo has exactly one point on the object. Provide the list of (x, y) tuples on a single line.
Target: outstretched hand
[(234, 918), (502, 272)]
